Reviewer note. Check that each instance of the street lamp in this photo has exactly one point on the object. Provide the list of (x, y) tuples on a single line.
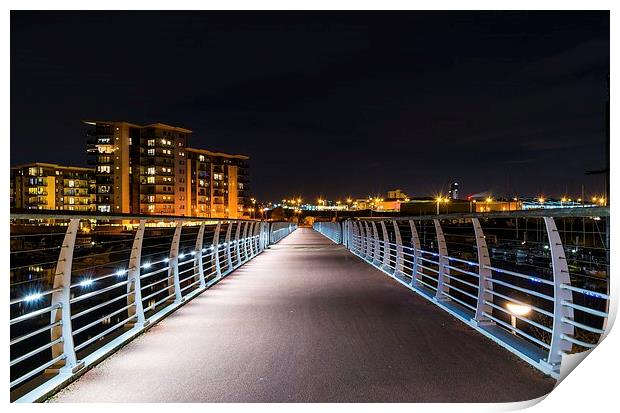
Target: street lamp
[(438, 199), (515, 310)]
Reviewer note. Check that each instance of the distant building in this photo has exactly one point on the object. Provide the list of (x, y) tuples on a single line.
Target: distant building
[(217, 184), (396, 194), (140, 169), (150, 170), (48, 186), (453, 193)]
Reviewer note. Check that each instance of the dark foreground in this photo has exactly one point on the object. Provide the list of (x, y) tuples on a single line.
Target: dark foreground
[(306, 321)]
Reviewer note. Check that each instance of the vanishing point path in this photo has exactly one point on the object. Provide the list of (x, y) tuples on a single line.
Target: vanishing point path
[(307, 321)]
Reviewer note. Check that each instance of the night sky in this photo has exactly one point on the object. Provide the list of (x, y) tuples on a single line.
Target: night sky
[(330, 104)]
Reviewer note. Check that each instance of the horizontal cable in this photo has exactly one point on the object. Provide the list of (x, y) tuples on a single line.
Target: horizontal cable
[(35, 351), (34, 314), (103, 333), (35, 332), (37, 370)]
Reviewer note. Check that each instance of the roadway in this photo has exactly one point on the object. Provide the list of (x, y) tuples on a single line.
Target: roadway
[(307, 321)]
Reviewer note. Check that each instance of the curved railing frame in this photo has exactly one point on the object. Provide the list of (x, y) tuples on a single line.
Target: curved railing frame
[(257, 236), (362, 239)]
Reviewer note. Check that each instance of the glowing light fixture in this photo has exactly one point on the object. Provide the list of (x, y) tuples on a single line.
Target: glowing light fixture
[(518, 309), (33, 297), (86, 283), (515, 310)]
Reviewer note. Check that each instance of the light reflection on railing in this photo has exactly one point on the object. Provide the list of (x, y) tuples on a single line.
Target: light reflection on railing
[(101, 280)]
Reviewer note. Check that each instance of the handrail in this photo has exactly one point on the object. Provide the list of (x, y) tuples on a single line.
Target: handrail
[(563, 307), (97, 293), (530, 213)]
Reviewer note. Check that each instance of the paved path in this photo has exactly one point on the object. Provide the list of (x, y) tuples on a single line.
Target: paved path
[(307, 321)]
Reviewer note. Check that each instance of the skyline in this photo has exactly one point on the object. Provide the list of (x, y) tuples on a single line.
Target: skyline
[(331, 103)]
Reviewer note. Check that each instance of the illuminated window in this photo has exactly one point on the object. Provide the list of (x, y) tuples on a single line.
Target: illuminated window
[(151, 170), (150, 142), (151, 152), (150, 179), (201, 158)]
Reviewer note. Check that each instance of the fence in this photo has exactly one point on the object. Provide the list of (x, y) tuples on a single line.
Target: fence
[(280, 230), (82, 286), (331, 230), (536, 282)]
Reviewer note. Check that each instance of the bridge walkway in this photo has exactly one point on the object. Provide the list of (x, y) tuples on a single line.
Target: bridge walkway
[(307, 321)]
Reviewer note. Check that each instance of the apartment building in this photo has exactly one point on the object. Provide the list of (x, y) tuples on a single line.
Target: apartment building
[(217, 184), (139, 169), (150, 170), (53, 187)]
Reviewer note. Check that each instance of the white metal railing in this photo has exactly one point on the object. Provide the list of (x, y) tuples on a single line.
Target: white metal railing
[(279, 230), (540, 315), (82, 286), (331, 230)]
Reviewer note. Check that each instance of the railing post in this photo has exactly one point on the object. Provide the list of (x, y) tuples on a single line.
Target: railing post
[(415, 244), (257, 232), (62, 281), (368, 243), (251, 239), (360, 240), (484, 275), (443, 261), (398, 265), (561, 276), (198, 267), (376, 244), (216, 250), (174, 286), (358, 245), (244, 237), (263, 235), (229, 248), (237, 242), (387, 249), (134, 285)]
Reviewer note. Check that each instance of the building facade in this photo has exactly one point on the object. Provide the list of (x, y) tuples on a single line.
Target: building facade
[(49, 186), (217, 184), (150, 170)]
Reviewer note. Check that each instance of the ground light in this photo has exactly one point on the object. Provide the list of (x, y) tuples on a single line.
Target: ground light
[(515, 310)]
